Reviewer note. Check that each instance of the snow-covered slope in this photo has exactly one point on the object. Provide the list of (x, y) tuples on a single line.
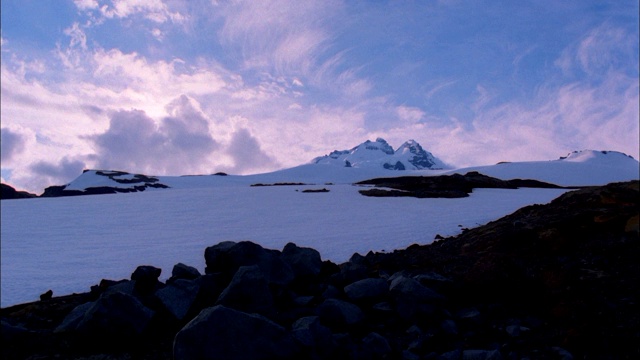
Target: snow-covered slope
[(379, 154), (68, 244), (579, 168), (587, 167)]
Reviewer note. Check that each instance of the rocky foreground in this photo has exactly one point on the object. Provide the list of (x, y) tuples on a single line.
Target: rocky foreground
[(556, 281)]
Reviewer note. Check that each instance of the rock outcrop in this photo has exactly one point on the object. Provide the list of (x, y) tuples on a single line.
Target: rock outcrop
[(444, 186), (9, 192)]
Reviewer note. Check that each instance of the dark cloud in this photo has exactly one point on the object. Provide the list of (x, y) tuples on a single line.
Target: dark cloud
[(180, 144), (247, 154), (12, 143), (61, 173)]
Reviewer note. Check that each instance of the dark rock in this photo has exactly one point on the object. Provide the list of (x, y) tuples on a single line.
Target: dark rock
[(72, 320), (445, 186), (46, 296), (323, 190), (481, 355), (178, 297), (305, 262), (309, 332), (248, 291), (339, 314), (116, 315), (375, 346), (228, 256), (146, 278), (8, 192), (182, 271), (412, 299), (367, 290), (449, 327), (351, 272), (126, 287), (224, 333), (451, 355)]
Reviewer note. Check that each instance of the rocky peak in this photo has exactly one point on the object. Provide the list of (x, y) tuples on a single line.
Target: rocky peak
[(421, 159), (380, 144)]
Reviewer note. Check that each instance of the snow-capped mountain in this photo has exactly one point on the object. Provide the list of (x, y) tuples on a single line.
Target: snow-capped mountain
[(379, 154), (367, 161)]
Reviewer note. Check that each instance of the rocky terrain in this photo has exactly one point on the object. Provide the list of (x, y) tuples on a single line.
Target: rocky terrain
[(9, 192), (555, 281), (444, 186)]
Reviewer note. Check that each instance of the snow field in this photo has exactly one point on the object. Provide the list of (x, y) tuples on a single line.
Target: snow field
[(68, 244)]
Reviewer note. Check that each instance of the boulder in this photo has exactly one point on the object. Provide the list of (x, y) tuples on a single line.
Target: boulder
[(224, 333), (71, 321), (182, 271), (226, 257), (412, 298), (178, 297), (248, 291), (367, 290), (309, 332), (115, 315), (305, 262), (375, 346), (146, 278), (339, 314)]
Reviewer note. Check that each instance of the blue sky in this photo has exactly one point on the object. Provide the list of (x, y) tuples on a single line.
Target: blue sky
[(196, 87)]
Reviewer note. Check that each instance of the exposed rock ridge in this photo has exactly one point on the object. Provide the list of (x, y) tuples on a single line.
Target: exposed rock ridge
[(132, 182), (445, 186)]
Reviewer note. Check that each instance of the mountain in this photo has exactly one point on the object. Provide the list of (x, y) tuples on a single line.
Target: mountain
[(366, 161), (376, 154)]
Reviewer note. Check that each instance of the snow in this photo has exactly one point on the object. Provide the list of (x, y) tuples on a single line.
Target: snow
[(377, 154), (68, 244), (91, 179), (583, 168)]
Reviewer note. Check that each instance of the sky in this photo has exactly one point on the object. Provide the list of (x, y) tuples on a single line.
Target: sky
[(169, 87)]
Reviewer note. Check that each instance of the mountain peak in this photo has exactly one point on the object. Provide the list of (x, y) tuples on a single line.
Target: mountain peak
[(374, 154)]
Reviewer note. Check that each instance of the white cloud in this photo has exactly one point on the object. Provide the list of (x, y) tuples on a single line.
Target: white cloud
[(603, 49), (154, 10), (86, 4)]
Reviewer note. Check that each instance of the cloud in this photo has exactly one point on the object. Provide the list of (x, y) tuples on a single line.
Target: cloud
[(13, 143), (604, 48), (247, 154), (282, 37), (154, 10), (86, 4), (178, 144), (62, 172)]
